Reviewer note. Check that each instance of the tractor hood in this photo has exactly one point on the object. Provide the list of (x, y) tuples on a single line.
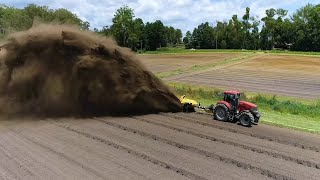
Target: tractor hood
[(189, 101), (246, 105)]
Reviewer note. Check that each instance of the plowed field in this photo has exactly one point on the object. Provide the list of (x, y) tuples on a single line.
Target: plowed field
[(163, 146), (169, 62), (296, 76)]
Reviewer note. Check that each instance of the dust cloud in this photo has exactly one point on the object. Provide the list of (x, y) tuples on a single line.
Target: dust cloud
[(56, 70)]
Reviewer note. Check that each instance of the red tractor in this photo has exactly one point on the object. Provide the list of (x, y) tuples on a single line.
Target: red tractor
[(231, 108)]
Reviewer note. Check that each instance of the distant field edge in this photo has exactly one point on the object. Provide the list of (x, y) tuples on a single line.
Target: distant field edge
[(186, 51)]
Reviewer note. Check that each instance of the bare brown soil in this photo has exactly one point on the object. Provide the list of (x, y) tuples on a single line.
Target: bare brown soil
[(296, 76), (158, 146), (169, 62)]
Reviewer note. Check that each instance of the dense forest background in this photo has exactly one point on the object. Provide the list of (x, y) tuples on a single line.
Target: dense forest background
[(299, 31)]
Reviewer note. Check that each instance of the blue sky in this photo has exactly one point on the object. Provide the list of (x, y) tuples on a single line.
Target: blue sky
[(183, 14)]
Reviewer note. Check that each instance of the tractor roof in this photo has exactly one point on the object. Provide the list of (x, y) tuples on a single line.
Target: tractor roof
[(232, 92)]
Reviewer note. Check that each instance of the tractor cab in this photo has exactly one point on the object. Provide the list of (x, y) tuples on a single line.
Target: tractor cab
[(233, 98)]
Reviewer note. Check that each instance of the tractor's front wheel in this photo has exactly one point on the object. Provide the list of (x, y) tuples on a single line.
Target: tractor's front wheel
[(221, 112), (246, 118)]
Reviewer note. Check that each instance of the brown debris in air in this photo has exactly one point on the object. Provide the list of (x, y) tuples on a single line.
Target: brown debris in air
[(56, 70)]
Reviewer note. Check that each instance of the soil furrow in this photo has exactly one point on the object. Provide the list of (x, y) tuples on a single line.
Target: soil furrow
[(201, 121), (261, 151), (262, 73), (180, 158), (64, 156), (208, 154), (110, 162), (11, 172), (266, 145), (40, 161), (253, 81), (257, 80), (135, 153), (259, 75)]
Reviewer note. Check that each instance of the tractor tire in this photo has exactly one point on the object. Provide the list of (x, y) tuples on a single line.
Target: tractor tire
[(221, 112), (246, 118)]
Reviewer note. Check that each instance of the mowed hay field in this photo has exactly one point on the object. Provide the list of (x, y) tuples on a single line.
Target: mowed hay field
[(158, 63), (296, 76)]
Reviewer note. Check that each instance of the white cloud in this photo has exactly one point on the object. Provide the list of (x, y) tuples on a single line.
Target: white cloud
[(183, 14)]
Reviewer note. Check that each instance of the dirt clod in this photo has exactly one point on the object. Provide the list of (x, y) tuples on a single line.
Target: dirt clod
[(60, 70)]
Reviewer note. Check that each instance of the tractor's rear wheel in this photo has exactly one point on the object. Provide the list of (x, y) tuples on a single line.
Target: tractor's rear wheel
[(246, 119), (221, 112)]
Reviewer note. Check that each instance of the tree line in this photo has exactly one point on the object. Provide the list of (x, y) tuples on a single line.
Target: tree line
[(134, 33), (14, 19), (127, 30), (300, 31)]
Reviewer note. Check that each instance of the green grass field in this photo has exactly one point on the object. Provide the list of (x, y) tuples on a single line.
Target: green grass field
[(287, 112)]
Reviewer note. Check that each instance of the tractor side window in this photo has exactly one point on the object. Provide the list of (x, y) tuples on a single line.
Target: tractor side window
[(227, 97), (232, 97)]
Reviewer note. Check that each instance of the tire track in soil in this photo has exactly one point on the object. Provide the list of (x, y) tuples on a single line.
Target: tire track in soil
[(62, 155), (208, 154), (203, 136), (26, 171), (135, 153), (184, 118)]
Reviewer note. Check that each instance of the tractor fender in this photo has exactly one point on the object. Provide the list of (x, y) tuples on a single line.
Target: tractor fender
[(225, 103)]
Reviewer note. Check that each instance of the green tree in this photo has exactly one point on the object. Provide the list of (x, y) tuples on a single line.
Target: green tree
[(155, 35), (14, 19), (187, 40), (106, 31), (41, 12), (63, 16), (139, 33), (177, 36), (246, 26), (276, 29), (123, 25), (306, 24), (205, 36), (85, 25)]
